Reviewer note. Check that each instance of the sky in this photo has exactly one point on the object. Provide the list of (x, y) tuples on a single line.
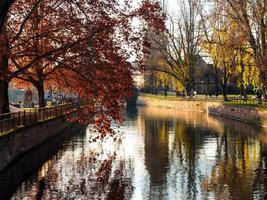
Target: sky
[(173, 5), (172, 8)]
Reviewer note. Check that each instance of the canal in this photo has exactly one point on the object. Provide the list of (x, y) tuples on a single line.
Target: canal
[(161, 154)]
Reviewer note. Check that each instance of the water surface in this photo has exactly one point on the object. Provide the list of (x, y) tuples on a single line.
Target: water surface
[(162, 154)]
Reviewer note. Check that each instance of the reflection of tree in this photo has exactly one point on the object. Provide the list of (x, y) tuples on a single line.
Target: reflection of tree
[(90, 177), (260, 180), (81, 171), (156, 149), (131, 112), (187, 143), (189, 140), (176, 148), (237, 164), (236, 160)]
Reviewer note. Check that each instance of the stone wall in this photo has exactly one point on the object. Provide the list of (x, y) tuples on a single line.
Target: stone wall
[(16, 172), (24, 139), (257, 116), (246, 114), (180, 105)]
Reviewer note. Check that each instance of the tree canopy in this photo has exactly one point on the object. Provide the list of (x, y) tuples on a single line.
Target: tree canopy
[(81, 46)]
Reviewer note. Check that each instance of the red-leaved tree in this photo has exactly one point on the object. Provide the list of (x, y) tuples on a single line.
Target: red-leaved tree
[(83, 46)]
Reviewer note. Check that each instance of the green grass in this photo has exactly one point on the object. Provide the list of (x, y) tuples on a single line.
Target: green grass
[(250, 102), (28, 109), (160, 96), (175, 98)]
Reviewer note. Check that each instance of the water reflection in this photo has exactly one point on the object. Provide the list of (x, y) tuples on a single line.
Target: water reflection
[(205, 157), (163, 154)]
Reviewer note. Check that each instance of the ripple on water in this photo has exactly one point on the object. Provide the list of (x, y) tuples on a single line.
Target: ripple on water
[(163, 154)]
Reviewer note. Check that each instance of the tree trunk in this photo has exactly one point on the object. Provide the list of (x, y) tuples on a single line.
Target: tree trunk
[(244, 92), (4, 5), (224, 91), (165, 90), (4, 81), (262, 86), (243, 87), (217, 86), (41, 97), (208, 86), (4, 101), (188, 90)]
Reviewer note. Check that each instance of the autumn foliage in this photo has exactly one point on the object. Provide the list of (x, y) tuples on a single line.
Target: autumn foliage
[(82, 47)]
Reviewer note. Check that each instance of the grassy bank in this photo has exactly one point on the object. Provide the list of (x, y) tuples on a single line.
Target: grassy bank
[(232, 99)]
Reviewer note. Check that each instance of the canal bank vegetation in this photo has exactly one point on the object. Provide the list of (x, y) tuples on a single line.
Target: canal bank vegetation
[(234, 100)]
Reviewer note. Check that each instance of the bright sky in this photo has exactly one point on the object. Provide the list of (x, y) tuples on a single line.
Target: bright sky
[(173, 5), (173, 9)]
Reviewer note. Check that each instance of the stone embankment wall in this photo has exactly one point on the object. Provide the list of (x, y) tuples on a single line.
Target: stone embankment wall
[(246, 114), (20, 141)]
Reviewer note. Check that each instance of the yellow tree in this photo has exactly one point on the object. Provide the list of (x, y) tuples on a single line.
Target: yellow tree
[(245, 72), (251, 17), (220, 44)]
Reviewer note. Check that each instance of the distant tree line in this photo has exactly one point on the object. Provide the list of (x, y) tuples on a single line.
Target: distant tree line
[(219, 44)]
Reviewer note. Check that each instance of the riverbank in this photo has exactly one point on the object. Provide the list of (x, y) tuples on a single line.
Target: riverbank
[(20, 141), (248, 114), (21, 168)]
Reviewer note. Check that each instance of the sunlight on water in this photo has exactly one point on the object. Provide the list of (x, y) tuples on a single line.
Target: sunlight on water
[(162, 154)]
